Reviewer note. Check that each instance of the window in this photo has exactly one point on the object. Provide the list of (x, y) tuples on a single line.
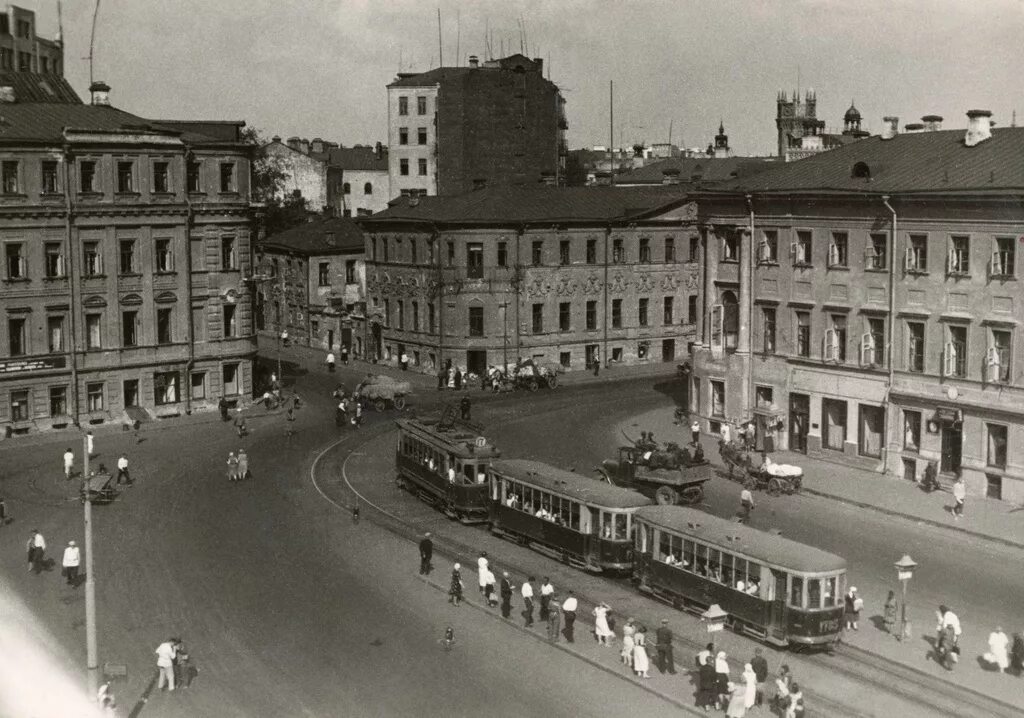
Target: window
[(768, 328), (917, 253), (403, 105), (6, 54), (616, 314), (618, 253), (451, 253), (400, 306), (25, 61), (645, 250), (128, 265), (87, 176), (421, 105), (563, 252), (502, 254), (416, 317), (564, 316), (430, 318), (227, 176), (837, 250), (476, 321), (872, 343), (198, 385), (996, 445), (230, 328), (998, 359), (731, 247), (642, 311), (24, 28), (403, 166), (165, 387), (958, 262), (694, 249), (956, 352), (591, 251), (475, 260), (164, 255), (802, 249), (387, 312), (403, 135), (346, 188), (421, 166), (835, 339), (9, 176), (129, 328), (421, 135), (717, 398), (875, 255), (55, 334), (764, 396), (58, 401), (872, 429), (691, 309), (232, 385), (19, 405), (192, 177), (537, 253), (323, 274), (1003, 258), (670, 250), (591, 315), (228, 258), (164, 326), (538, 318), (161, 177), (911, 430), (125, 177), (768, 248), (803, 334), (54, 260), (834, 416), (94, 396), (368, 188), (17, 339), (93, 331), (50, 184), (668, 307)]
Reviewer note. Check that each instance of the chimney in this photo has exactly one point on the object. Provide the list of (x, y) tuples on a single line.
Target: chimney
[(979, 127), (670, 175), (304, 146), (7, 94), (293, 142), (547, 179), (474, 61), (932, 122), (275, 138), (378, 150), (318, 145), (100, 93), (539, 62), (913, 127), (891, 127)]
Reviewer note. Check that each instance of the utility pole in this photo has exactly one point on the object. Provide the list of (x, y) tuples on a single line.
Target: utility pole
[(91, 661)]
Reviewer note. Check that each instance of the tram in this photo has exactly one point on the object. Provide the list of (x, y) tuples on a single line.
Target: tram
[(578, 520), (774, 588), (445, 462)]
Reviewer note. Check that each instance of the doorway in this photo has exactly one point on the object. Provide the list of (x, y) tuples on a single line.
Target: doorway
[(330, 340), (476, 361), (668, 349), (375, 342), (131, 392), (952, 445), (799, 421)]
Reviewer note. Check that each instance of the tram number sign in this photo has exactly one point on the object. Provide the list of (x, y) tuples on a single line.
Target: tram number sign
[(481, 441), (829, 625), (713, 627)]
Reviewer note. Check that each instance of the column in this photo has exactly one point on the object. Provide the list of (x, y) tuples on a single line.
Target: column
[(746, 254), (709, 246)]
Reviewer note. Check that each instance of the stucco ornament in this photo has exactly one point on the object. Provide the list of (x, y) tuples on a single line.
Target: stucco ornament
[(565, 287), (645, 283), (593, 285), (619, 284), (669, 283)]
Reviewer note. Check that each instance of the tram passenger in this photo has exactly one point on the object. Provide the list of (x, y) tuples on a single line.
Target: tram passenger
[(451, 474), (752, 588), (671, 560), (511, 500)]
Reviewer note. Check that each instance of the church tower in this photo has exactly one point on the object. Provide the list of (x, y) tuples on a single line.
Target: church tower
[(795, 120), (722, 142)]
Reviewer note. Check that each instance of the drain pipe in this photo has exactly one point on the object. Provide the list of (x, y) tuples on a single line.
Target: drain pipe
[(750, 259), (604, 349), (891, 338), (191, 338), (74, 284)]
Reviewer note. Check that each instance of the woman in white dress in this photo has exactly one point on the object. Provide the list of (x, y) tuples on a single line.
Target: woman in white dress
[(749, 686), (641, 664), (601, 629), (998, 644), (627, 643)]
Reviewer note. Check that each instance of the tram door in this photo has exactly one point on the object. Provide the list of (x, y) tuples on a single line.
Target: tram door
[(777, 617)]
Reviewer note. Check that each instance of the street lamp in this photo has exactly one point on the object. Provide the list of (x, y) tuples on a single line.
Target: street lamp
[(904, 572), (91, 660), (715, 618)]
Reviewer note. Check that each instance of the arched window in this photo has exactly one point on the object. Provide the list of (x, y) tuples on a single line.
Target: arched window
[(731, 319), (346, 188), (368, 188), (861, 171)]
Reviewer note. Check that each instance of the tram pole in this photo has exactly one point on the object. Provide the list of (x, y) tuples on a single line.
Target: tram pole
[(91, 661), (904, 571)]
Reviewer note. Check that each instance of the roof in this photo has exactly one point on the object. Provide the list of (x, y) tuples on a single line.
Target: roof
[(199, 131), (47, 121), (707, 169), (37, 87), (439, 75), (358, 158), (584, 489), (767, 547), (460, 437), (937, 161), (314, 237), (526, 204)]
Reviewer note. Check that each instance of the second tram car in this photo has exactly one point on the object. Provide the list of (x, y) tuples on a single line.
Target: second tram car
[(782, 591), (579, 520), (445, 463)]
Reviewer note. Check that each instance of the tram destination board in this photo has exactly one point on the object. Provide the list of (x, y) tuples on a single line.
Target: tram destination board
[(23, 365)]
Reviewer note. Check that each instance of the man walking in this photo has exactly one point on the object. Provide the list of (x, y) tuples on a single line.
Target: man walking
[(165, 655), (760, 666), (426, 552), (959, 496), (569, 610), (695, 432), (69, 564), (344, 354), (69, 462), (527, 592), (122, 471), (506, 595), (330, 362), (36, 551), (665, 658), (554, 620), (547, 591)]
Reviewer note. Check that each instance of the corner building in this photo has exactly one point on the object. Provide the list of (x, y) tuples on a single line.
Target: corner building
[(864, 306)]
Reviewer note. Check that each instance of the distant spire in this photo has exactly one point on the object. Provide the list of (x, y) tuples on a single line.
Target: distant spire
[(721, 127)]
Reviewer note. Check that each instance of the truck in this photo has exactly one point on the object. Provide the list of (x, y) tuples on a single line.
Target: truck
[(682, 485)]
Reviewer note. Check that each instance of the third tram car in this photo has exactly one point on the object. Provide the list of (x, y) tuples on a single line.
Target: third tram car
[(445, 463), (581, 521), (777, 589)]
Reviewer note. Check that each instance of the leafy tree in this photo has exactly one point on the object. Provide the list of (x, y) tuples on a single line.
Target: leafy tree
[(282, 210)]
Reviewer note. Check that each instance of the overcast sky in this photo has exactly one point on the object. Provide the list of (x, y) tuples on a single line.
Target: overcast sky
[(319, 67)]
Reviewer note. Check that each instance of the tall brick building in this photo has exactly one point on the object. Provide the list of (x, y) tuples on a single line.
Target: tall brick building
[(454, 129), (22, 50)]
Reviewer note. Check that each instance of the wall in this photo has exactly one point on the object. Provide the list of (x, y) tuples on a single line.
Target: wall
[(305, 174), (412, 152)]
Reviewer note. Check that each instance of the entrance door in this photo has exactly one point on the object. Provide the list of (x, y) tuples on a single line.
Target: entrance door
[(952, 443), (668, 349), (777, 617), (330, 340), (476, 361), (375, 341), (799, 422), (131, 392)]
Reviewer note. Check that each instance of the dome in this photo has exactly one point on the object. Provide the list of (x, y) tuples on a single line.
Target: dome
[(852, 114)]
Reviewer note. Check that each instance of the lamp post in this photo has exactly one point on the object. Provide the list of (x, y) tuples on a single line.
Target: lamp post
[(91, 661), (714, 617), (904, 572)]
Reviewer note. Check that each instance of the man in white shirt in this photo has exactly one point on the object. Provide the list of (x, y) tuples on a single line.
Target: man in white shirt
[(70, 562), (69, 462), (527, 592), (695, 432), (959, 497), (330, 361), (546, 592), (36, 551), (948, 618), (165, 654), (569, 614), (122, 470)]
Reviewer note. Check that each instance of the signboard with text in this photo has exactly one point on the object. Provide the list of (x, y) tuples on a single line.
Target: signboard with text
[(22, 365)]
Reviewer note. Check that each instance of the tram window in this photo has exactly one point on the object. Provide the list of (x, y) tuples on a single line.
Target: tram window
[(702, 560), (753, 578), (664, 546), (714, 564), (688, 555), (740, 573), (829, 595), (727, 569), (469, 472), (796, 592), (574, 516), (813, 593)]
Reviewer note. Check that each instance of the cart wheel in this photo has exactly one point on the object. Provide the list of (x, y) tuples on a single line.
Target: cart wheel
[(400, 403), (775, 487), (552, 381), (379, 404), (666, 496), (693, 495), (533, 385), (750, 483)]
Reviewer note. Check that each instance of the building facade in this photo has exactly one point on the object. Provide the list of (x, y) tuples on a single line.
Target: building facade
[(864, 306), (358, 183), (455, 129), (22, 50), (126, 244), (304, 175), (568, 276)]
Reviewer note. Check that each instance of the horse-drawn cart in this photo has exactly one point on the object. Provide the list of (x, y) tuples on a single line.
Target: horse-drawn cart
[(381, 390), (768, 476), (97, 489)]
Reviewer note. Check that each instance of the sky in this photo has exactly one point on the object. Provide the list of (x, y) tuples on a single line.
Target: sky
[(318, 68)]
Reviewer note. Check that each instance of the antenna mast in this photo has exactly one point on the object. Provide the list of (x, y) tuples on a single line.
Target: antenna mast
[(440, 47), (92, 39)]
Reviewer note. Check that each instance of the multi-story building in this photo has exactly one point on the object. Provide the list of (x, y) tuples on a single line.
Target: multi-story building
[(454, 129), (304, 175), (125, 248), (566, 275), (358, 183), (22, 50), (313, 285), (864, 305)]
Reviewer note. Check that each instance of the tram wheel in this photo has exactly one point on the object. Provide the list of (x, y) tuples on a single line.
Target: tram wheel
[(552, 381), (666, 496)]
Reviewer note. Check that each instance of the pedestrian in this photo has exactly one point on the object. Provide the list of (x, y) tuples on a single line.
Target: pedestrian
[(404, 361), (184, 669), (706, 656), (569, 614), (289, 423), (89, 444), (666, 661), (546, 592), (36, 551), (554, 619), (527, 593), (725, 433), (223, 406), (1017, 654), (105, 699), (69, 564), (330, 362), (998, 649), (232, 466), (440, 379), (243, 465), (3, 512), (490, 588), (426, 553), (852, 607), (707, 686), (602, 631), (455, 587), (746, 505), (69, 462), (464, 408), (889, 613), (506, 595), (949, 632), (783, 684), (749, 687), (695, 432), (344, 354), (735, 700), (240, 426), (481, 571), (165, 654), (458, 379), (122, 471), (340, 414), (959, 497), (760, 666), (626, 654), (597, 363), (722, 679), (796, 702), (357, 418), (641, 662)]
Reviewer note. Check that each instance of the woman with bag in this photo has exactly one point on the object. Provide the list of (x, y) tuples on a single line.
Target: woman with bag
[(722, 680), (455, 588), (889, 613)]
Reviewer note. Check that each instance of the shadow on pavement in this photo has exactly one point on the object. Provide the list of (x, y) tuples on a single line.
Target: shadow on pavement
[(144, 698)]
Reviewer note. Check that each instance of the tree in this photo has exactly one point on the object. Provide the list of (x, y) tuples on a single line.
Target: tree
[(268, 186)]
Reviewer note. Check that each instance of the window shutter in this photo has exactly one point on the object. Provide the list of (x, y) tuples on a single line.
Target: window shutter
[(831, 345), (996, 267), (993, 365), (870, 256), (949, 359), (833, 255), (951, 261), (765, 250), (867, 349), (909, 262), (794, 251)]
